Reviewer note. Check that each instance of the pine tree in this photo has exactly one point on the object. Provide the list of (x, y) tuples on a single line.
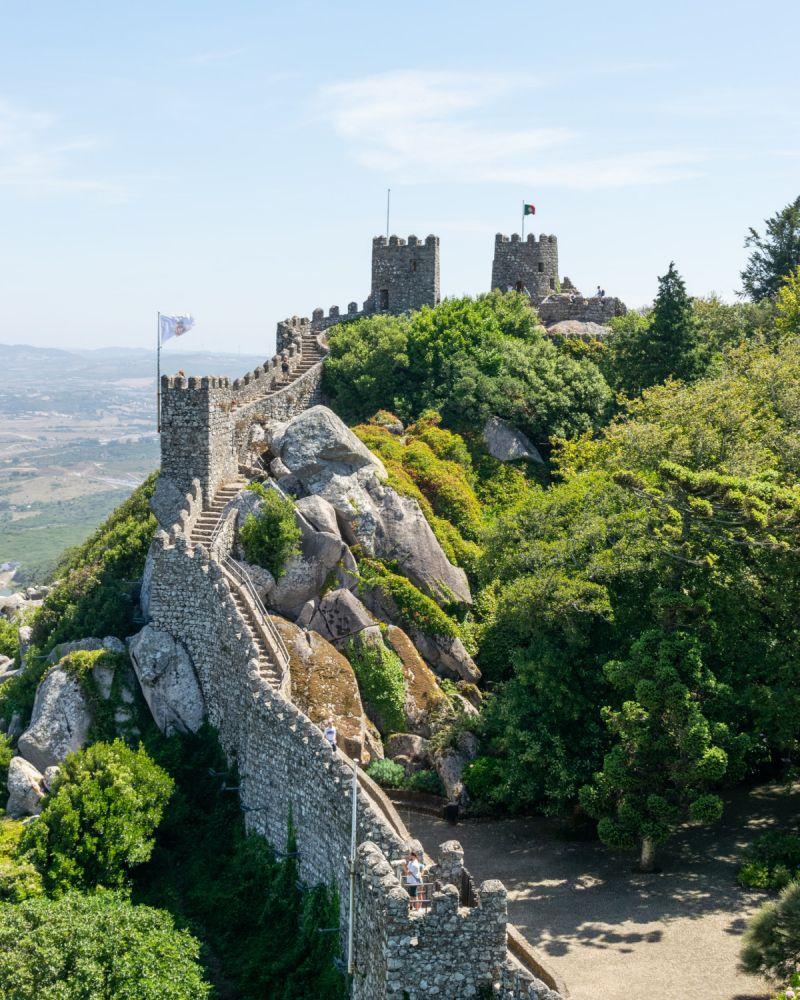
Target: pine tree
[(648, 350), (776, 254)]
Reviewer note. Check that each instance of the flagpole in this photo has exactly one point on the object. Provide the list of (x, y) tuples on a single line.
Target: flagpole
[(388, 200), (523, 218), (158, 371)]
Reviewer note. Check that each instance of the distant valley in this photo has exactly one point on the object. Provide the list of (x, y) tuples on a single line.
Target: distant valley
[(77, 434)]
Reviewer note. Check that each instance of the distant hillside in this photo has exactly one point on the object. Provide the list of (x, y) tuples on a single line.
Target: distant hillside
[(77, 434)]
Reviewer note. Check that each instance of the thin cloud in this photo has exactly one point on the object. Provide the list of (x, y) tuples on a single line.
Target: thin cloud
[(34, 160), (438, 126)]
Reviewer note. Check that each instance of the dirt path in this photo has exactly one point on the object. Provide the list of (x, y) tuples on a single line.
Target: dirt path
[(613, 934)]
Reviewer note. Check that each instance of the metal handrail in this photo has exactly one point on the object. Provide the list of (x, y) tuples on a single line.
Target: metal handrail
[(242, 577)]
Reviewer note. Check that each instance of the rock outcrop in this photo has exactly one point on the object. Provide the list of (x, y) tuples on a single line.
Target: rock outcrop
[(426, 704), (168, 680), (329, 461), (59, 723), (506, 443), (325, 687), (26, 788), (339, 615)]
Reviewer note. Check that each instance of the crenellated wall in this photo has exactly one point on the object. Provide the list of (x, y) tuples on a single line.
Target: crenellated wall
[(556, 308), (287, 767), (526, 265)]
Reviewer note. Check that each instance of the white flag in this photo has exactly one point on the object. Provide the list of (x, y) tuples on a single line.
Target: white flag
[(175, 326)]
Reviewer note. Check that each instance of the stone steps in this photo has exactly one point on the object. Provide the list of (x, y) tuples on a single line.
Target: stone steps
[(201, 534)]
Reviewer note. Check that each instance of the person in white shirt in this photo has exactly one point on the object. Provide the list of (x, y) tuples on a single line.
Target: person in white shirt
[(413, 872), (330, 733)]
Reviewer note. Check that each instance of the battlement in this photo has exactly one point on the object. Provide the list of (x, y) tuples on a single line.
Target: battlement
[(529, 265), (530, 238), (398, 241), (405, 274), (204, 382)]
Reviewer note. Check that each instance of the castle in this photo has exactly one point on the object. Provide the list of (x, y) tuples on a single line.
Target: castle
[(463, 946)]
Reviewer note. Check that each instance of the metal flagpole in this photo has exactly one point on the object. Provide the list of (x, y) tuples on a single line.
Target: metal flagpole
[(523, 218), (351, 915), (158, 372), (388, 199)]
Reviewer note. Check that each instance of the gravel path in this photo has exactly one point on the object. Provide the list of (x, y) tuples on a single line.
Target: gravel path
[(612, 933)]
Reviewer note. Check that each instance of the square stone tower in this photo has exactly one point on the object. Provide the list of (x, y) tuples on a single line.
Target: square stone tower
[(405, 273), (526, 265)]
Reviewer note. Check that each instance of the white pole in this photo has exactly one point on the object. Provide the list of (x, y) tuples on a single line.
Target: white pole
[(158, 371), (388, 200), (351, 916), (523, 218)]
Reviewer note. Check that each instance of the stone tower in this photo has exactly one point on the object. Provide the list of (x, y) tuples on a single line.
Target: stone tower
[(405, 273), (529, 264)]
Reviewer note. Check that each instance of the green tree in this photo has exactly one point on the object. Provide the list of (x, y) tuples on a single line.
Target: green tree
[(664, 760), (271, 536), (96, 947), (787, 321), (466, 359), (99, 818), (648, 349), (771, 944), (775, 255)]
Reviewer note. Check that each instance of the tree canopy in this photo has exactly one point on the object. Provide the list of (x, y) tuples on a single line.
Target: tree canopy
[(467, 359), (774, 255), (99, 818), (93, 947)]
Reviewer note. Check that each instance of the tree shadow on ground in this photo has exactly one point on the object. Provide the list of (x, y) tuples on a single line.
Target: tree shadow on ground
[(567, 894)]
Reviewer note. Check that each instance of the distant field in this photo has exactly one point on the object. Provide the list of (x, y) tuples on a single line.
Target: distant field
[(77, 435)]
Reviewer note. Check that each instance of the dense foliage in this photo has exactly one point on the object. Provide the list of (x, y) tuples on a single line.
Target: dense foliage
[(259, 924), (95, 591), (94, 947), (649, 348), (467, 359), (775, 255), (379, 672), (99, 818), (270, 536), (771, 944), (772, 861)]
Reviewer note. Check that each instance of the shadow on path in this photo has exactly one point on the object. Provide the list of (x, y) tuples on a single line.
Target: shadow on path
[(611, 932)]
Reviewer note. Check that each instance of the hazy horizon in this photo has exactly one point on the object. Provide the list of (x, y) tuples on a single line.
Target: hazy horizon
[(234, 163)]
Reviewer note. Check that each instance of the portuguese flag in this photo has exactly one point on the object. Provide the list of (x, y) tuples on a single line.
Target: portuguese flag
[(528, 209)]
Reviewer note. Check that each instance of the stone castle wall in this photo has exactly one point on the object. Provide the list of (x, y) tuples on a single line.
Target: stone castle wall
[(528, 264), (557, 308), (286, 767), (405, 273)]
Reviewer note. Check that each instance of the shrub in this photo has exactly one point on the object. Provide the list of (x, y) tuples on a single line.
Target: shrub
[(92, 947), (99, 818), (387, 773), (96, 592), (416, 610), (270, 537), (771, 861), (18, 878), (771, 944), (6, 753), (425, 781), (379, 672), (9, 639), (483, 779)]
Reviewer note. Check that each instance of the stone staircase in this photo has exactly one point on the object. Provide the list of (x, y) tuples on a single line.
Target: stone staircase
[(204, 527), (311, 355), (252, 611)]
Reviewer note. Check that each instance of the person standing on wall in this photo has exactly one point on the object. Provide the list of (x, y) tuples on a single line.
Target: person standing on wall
[(330, 733)]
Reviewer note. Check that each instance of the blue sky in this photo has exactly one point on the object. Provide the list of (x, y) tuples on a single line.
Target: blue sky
[(232, 159)]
